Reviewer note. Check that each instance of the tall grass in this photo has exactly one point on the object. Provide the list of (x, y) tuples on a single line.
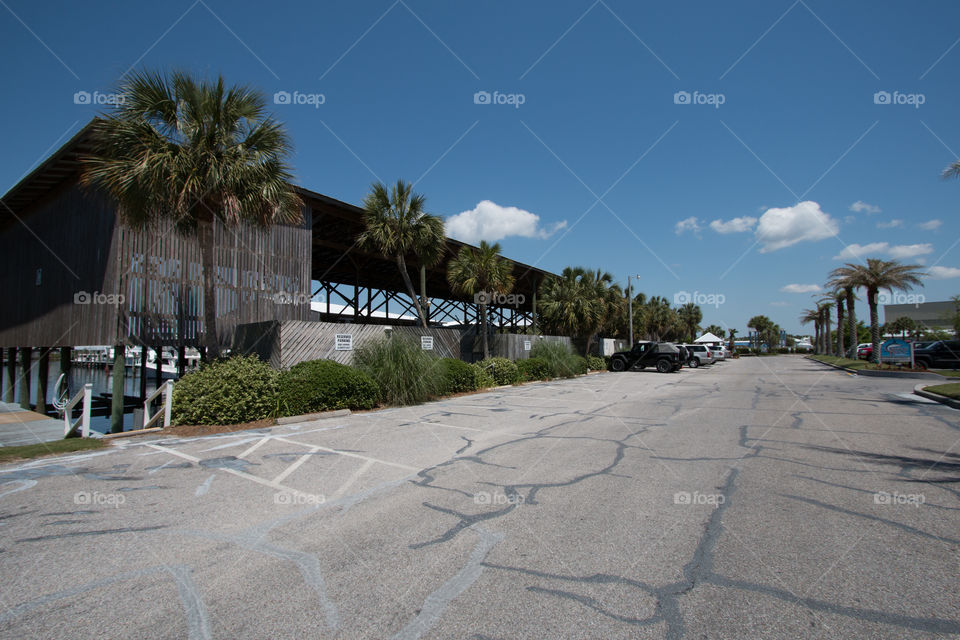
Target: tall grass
[(405, 373), (562, 361)]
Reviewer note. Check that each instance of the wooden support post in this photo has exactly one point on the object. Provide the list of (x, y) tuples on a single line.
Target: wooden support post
[(533, 321), (11, 374), (66, 354), (423, 295), (43, 372), (143, 372), (116, 413), (26, 357), (159, 372), (181, 361)]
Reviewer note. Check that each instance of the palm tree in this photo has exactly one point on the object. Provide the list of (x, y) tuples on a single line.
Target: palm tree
[(732, 333), (843, 279), (689, 316), (764, 328), (839, 298), (812, 315), (480, 272), (715, 329), (659, 319), (397, 225), (197, 153), (824, 305), (879, 274), (579, 303)]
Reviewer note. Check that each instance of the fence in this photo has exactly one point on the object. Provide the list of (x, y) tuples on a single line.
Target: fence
[(284, 344)]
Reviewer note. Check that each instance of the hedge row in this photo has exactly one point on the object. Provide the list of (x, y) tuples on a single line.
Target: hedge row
[(393, 371)]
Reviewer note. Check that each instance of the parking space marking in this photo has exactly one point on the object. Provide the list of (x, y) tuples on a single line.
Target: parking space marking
[(352, 455), (296, 465), (254, 447), (353, 478)]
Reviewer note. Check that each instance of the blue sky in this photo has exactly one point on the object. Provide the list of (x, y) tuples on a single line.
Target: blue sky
[(588, 151)]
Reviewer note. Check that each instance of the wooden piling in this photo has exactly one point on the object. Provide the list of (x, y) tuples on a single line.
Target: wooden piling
[(26, 358), (11, 374), (116, 415), (43, 372)]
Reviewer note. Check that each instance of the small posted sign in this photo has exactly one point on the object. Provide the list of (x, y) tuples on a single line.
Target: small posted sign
[(426, 343), (344, 342), (526, 345)]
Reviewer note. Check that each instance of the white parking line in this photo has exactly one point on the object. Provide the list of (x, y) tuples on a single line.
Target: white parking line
[(352, 455), (296, 465)]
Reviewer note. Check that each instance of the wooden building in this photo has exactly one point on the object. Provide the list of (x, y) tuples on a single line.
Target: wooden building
[(73, 275)]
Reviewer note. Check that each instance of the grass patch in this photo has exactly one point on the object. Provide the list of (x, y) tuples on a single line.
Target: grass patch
[(950, 390), (39, 450), (949, 373)]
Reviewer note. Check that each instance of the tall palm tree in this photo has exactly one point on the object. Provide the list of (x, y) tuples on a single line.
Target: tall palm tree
[(659, 319), (397, 226), (839, 298), (480, 272), (732, 333), (844, 279), (689, 316), (195, 152), (812, 315), (824, 305), (879, 274)]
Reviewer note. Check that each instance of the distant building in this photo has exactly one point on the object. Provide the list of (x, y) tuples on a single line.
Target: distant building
[(933, 315)]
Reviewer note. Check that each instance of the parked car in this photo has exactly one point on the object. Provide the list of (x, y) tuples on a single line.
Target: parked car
[(699, 354), (662, 355), (864, 351), (684, 353), (720, 353), (942, 354)]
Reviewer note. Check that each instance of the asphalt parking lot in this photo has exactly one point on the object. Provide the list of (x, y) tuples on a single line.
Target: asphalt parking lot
[(762, 497)]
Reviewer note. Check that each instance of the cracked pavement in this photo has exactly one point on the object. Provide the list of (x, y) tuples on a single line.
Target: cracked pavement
[(761, 497)]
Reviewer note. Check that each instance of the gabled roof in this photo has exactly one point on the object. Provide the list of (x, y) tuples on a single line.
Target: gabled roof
[(708, 337)]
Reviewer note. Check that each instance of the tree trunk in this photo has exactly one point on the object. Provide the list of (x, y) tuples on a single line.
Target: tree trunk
[(816, 336), (874, 326), (852, 324), (402, 265), (205, 237), (483, 329), (840, 350)]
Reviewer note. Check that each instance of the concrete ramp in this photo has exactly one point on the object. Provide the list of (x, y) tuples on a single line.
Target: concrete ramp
[(20, 427)]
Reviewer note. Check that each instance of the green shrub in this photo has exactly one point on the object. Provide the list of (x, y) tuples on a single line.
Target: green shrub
[(482, 377), (325, 385), (559, 356), (405, 373), (534, 369), (597, 363), (241, 389), (503, 370), (579, 365), (458, 376)]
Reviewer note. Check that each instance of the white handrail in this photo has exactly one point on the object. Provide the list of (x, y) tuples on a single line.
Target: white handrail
[(167, 390), (85, 395)]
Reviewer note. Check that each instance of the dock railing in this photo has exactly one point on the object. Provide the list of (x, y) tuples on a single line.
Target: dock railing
[(167, 390), (83, 422)]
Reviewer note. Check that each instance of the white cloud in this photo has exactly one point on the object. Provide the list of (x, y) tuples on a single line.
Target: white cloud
[(860, 205), (861, 251), (489, 221), (800, 288), (941, 273), (931, 225), (780, 228), (910, 250), (890, 225), (688, 224), (736, 225)]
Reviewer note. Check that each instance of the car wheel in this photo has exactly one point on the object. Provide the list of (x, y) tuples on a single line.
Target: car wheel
[(694, 363), (664, 366), (617, 364), (921, 364)]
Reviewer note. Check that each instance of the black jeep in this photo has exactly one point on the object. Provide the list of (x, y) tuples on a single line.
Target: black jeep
[(662, 355)]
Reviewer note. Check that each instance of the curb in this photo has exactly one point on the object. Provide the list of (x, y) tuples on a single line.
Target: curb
[(921, 375), (920, 391), (309, 417)]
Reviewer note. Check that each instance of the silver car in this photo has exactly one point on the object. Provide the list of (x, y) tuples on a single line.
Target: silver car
[(699, 354)]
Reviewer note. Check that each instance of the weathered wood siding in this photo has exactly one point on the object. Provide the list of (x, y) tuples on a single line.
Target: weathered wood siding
[(70, 247)]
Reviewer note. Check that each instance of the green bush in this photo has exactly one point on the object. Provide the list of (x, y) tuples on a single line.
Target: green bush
[(503, 370), (458, 376), (241, 389), (482, 377), (534, 369), (597, 363), (325, 385), (579, 365), (405, 373), (561, 359)]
